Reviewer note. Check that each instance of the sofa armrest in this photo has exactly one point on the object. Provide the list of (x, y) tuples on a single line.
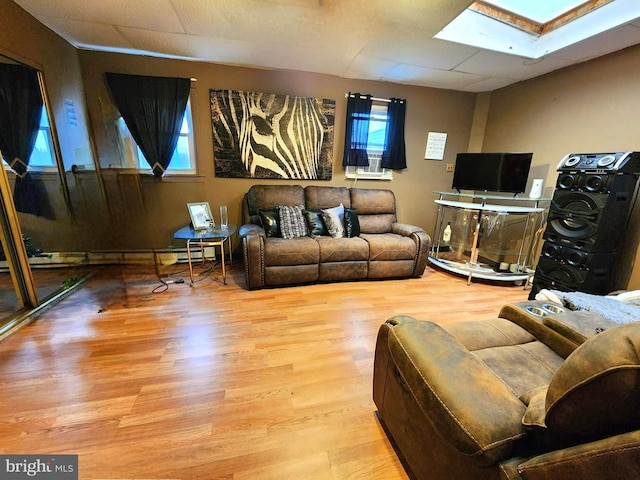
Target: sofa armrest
[(423, 242), (610, 458), (578, 325), (519, 314), (405, 229), (250, 229), (469, 406), (253, 237)]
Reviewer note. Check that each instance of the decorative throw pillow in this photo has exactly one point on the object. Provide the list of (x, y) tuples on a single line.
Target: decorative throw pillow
[(334, 220), (315, 223), (351, 223), (292, 221), (269, 218)]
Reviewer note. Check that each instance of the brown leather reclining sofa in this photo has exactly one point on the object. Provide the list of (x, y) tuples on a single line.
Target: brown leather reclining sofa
[(536, 394), (383, 248)]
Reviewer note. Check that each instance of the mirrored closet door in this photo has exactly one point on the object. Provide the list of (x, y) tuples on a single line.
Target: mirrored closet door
[(38, 220)]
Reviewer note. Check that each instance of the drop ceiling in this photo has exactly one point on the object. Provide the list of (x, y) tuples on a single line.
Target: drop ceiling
[(360, 39)]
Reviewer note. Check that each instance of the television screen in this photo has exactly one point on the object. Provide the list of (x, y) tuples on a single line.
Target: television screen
[(492, 172)]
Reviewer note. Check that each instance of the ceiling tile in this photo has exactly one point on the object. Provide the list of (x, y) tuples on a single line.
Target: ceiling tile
[(363, 39), (487, 85), (368, 68), (427, 77), (606, 42), (438, 54), (493, 64), (236, 52), (87, 34), (155, 15)]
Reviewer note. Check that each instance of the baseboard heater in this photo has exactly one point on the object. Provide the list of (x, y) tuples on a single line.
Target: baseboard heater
[(116, 257)]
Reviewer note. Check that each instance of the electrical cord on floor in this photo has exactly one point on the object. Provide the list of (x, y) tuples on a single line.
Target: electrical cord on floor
[(165, 285)]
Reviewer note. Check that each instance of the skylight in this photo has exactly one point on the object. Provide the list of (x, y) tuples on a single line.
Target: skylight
[(534, 29), (540, 11)]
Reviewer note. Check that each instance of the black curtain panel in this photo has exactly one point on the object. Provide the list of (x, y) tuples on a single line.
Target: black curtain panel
[(152, 108), (357, 130), (394, 156), (20, 112)]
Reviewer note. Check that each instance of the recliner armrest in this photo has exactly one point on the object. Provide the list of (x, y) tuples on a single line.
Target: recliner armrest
[(251, 229), (577, 325), (610, 458), (471, 408), (423, 242), (253, 238), (405, 229)]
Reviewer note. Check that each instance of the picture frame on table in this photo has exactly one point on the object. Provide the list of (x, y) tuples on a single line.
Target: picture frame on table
[(201, 218)]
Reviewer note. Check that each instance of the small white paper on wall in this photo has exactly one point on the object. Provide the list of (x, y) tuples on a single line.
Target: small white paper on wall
[(436, 142)]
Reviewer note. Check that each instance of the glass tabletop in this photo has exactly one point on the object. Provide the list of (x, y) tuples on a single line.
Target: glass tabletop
[(188, 233)]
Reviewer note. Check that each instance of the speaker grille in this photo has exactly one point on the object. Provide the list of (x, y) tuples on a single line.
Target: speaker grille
[(586, 223)]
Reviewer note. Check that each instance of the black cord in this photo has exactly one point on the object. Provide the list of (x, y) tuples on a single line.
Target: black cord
[(164, 286)]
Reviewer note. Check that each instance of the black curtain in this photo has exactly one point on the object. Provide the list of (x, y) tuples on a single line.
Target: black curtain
[(152, 108), (20, 113), (394, 156), (357, 130)]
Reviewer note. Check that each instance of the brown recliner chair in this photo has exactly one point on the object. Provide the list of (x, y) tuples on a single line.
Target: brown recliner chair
[(527, 397)]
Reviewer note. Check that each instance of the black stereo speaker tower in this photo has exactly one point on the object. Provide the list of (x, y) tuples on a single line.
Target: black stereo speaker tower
[(586, 222)]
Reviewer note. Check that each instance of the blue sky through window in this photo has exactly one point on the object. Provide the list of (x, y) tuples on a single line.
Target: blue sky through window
[(377, 128)]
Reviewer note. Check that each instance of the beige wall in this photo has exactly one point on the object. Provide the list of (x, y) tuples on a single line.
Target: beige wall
[(147, 214), (128, 211), (587, 108), (26, 40)]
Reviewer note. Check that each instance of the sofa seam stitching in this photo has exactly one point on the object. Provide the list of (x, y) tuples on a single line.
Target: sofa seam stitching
[(577, 457)]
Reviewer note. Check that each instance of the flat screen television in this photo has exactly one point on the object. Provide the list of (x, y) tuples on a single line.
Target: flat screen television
[(492, 172)]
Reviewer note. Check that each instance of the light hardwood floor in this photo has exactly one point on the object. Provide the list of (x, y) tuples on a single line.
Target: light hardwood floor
[(215, 381)]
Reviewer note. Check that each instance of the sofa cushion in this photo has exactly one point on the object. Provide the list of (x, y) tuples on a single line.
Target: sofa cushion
[(342, 271), (522, 367), (270, 196), (291, 251), (315, 223), (473, 411), (596, 391), (351, 223), (342, 249), (326, 197), (512, 354), (376, 209), (270, 221), (292, 221), (373, 201), (334, 220), (389, 246)]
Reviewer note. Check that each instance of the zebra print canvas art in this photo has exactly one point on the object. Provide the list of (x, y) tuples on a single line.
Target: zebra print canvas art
[(268, 135)]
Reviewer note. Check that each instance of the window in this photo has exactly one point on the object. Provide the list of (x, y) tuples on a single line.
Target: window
[(183, 161), (375, 146), (42, 157)]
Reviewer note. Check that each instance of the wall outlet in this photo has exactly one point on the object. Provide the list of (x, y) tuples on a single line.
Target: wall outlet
[(449, 167)]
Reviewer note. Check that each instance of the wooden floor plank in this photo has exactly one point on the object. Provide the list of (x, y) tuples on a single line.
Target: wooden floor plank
[(215, 381)]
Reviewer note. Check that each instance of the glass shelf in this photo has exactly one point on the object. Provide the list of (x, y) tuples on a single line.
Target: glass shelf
[(483, 198), (492, 241)]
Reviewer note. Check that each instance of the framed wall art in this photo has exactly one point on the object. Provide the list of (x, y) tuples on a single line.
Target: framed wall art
[(268, 135)]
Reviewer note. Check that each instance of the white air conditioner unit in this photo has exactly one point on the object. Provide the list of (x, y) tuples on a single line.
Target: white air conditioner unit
[(371, 172)]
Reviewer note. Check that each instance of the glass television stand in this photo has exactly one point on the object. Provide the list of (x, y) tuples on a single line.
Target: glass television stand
[(489, 237)]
